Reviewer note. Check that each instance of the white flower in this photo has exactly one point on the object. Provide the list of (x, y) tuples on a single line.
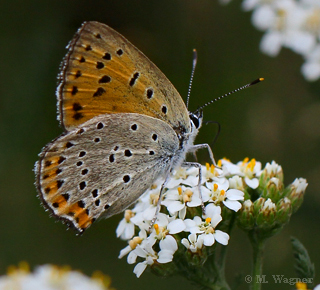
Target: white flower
[(294, 24), (48, 277), (148, 254), (132, 244), (194, 243), (206, 228), (167, 225), (311, 68), (248, 169), (177, 200), (125, 229), (183, 175), (210, 171), (218, 192)]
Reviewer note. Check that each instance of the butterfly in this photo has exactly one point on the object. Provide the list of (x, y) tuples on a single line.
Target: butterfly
[(125, 126)]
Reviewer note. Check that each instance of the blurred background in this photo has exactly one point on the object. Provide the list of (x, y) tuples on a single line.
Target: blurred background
[(275, 120)]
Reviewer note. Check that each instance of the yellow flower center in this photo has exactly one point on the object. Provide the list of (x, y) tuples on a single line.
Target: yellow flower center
[(156, 227), (245, 160)]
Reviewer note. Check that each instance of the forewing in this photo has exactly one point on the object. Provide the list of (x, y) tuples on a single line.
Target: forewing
[(104, 73), (110, 158)]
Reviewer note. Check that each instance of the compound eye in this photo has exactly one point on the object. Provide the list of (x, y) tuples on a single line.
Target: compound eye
[(195, 120)]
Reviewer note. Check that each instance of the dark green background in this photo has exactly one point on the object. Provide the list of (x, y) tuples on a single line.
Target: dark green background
[(276, 120)]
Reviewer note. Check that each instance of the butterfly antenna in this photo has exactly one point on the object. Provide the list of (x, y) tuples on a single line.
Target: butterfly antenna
[(194, 63), (232, 92)]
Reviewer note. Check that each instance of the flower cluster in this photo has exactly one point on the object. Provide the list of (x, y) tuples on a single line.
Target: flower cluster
[(294, 24), (194, 213), (52, 278), (181, 221), (269, 207)]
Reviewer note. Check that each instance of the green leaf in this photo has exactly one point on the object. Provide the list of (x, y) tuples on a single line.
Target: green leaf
[(302, 263)]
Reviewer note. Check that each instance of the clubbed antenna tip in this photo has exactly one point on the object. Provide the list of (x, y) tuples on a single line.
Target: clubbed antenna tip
[(232, 92)]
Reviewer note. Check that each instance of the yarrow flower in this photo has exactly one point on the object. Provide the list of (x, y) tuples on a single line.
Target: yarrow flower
[(194, 218), (48, 277), (294, 24)]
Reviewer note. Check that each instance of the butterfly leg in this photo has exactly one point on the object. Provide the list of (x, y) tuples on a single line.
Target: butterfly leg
[(201, 146), (198, 166), (159, 200)]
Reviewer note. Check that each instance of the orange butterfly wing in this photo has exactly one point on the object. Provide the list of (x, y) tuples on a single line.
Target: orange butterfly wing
[(104, 73)]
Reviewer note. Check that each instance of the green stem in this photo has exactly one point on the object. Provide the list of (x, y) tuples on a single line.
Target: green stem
[(221, 261), (258, 246)]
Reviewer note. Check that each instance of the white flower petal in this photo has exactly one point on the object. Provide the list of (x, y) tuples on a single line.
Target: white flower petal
[(165, 256), (205, 192), (215, 220), (132, 257), (232, 204), (214, 212), (139, 251), (182, 213), (300, 41), (175, 206), (124, 251), (249, 4), (221, 237), (169, 243), (208, 239), (139, 268), (271, 43), (263, 17), (192, 238), (235, 194), (311, 70), (176, 226), (173, 182), (185, 242), (149, 213), (196, 201), (191, 181), (253, 183), (194, 230), (189, 223)]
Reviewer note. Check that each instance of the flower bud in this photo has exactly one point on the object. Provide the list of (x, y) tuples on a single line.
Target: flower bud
[(284, 210), (246, 218), (270, 171), (296, 192)]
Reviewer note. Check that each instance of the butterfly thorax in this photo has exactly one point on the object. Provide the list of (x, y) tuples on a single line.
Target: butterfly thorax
[(186, 139)]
